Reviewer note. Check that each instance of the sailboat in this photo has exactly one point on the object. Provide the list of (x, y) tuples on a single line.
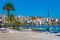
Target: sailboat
[(48, 30)]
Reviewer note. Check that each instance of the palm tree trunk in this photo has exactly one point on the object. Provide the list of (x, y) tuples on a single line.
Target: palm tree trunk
[(8, 16), (8, 12)]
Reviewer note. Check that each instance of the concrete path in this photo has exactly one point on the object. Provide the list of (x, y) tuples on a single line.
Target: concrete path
[(28, 36)]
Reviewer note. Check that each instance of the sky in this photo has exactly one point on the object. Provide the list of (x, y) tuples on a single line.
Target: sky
[(33, 7)]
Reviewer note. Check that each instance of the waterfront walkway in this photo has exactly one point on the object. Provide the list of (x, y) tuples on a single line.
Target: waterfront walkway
[(28, 36)]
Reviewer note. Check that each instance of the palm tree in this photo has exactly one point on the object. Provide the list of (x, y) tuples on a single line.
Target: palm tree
[(11, 18), (8, 7)]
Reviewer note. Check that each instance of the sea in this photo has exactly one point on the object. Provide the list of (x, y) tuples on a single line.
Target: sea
[(52, 29)]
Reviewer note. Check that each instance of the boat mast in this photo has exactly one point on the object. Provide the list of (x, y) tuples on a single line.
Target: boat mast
[(48, 16), (48, 22)]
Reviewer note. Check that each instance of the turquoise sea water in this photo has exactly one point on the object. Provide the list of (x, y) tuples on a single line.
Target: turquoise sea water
[(55, 28)]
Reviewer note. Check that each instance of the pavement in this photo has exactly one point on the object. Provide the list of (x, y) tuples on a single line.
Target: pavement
[(27, 35)]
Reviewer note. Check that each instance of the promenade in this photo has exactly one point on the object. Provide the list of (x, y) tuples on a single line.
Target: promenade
[(28, 36)]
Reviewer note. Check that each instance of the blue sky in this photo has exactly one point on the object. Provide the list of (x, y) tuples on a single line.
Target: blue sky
[(34, 7)]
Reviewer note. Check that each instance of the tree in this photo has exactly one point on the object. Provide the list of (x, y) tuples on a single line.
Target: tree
[(5, 24), (8, 7), (16, 23), (34, 17), (11, 17)]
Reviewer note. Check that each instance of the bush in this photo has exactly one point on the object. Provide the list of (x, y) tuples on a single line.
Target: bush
[(16, 29), (5, 25)]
